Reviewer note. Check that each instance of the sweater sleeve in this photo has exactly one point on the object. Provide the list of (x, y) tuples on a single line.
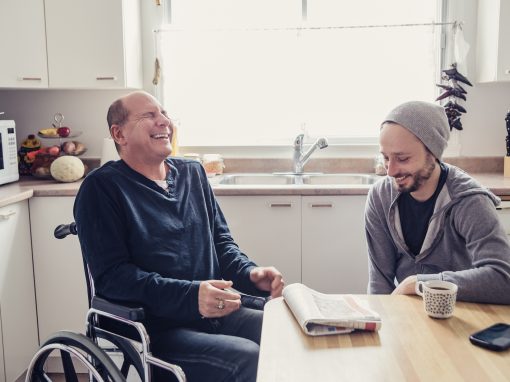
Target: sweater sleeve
[(381, 250), (102, 232), (488, 281)]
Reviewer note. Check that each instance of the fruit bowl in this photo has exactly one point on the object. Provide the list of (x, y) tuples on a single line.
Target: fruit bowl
[(73, 148), (73, 134)]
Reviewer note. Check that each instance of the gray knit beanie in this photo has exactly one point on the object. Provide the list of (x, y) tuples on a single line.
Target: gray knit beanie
[(427, 121)]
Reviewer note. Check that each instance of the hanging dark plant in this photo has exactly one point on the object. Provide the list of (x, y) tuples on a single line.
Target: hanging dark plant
[(452, 92)]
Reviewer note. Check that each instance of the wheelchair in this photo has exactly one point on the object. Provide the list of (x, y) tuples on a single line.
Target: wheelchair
[(103, 320)]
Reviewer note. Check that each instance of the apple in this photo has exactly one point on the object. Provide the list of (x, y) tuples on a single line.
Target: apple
[(54, 150), (63, 131)]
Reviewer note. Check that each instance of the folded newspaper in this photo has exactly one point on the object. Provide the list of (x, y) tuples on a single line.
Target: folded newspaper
[(321, 314)]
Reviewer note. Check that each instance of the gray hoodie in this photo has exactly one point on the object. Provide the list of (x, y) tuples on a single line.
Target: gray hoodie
[(465, 241)]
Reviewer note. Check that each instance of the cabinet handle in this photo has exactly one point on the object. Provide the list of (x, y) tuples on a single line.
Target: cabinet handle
[(280, 204), (7, 215), (30, 78), (505, 205), (106, 78), (321, 205)]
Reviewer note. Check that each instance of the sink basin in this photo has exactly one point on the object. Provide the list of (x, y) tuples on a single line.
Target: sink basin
[(341, 179), (263, 179), (257, 179)]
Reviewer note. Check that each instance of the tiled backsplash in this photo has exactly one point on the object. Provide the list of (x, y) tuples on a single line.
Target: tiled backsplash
[(340, 165), (355, 165)]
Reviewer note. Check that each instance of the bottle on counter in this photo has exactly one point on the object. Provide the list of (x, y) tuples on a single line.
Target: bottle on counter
[(213, 164)]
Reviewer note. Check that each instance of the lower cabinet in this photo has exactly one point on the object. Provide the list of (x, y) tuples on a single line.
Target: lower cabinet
[(59, 276), (334, 249), (504, 215), (18, 320), (316, 240), (268, 230)]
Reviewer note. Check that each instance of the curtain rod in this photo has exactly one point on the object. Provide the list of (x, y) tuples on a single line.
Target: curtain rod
[(454, 23)]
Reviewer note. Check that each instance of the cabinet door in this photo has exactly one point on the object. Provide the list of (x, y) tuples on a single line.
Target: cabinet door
[(88, 43), (504, 215), (268, 230), (23, 44), (2, 366), (493, 41), (59, 276), (17, 297), (333, 243), (504, 41)]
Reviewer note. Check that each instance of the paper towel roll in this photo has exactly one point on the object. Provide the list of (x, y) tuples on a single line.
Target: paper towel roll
[(109, 151)]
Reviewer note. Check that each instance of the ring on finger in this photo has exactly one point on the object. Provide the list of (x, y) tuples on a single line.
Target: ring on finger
[(221, 304)]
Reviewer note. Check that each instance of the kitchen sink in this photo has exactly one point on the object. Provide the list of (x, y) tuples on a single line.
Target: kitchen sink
[(265, 179)]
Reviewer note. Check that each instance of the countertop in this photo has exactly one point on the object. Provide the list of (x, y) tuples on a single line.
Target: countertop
[(28, 187)]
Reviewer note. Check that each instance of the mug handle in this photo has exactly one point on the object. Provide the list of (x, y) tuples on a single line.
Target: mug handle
[(418, 288)]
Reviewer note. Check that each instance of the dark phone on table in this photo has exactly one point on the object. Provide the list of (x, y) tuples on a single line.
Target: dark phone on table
[(495, 337)]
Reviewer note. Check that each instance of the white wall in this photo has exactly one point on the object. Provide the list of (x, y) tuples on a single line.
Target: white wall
[(487, 104), (85, 110)]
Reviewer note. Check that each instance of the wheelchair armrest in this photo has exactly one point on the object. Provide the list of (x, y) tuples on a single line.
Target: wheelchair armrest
[(129, 313)]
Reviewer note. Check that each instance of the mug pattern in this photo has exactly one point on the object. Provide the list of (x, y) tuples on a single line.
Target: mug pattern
[(439, 305)]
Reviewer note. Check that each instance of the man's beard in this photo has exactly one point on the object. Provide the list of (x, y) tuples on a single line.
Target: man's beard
[(419, 177)]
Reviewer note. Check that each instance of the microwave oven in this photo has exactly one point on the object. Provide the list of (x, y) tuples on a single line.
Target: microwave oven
[(8, 152)]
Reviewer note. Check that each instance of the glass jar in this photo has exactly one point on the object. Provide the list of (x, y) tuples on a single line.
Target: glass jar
[(213, 164), (379, 167)]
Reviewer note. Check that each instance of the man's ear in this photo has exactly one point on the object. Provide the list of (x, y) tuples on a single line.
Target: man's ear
[(117, 134)]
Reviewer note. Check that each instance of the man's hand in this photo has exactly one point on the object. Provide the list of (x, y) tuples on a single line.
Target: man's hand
[(214, 301), (407, 286), (268, 279)]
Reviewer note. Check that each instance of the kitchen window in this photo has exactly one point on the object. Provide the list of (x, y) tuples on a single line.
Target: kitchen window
[(259, 72)]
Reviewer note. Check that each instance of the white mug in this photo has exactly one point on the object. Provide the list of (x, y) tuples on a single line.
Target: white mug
[(438, 297)]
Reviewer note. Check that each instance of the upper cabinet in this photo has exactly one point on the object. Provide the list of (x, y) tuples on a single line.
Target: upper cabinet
[(93, 44), (62, 44), (493, 42), (22, 44)]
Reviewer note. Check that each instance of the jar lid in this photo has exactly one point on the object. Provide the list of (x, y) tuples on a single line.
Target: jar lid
[(212, 157), (192, 156)]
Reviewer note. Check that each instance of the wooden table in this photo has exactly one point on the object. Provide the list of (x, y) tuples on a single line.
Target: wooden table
[(409, 347)]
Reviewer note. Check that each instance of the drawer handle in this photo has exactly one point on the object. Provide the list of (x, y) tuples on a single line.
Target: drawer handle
[(280, 205), (106, 78), (321, 205), (30, 78), (7, 215)]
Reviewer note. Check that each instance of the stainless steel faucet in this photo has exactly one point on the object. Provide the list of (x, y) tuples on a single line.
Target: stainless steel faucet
[(301, 158)]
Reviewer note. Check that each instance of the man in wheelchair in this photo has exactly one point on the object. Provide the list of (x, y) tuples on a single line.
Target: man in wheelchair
[(153, 234)]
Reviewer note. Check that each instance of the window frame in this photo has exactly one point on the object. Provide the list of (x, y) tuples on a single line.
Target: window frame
[(339, 146)]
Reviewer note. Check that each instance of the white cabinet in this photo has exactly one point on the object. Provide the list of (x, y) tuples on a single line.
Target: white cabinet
[(333, 243), (23, 44), (268, 230), (58, 267), (93, 43), (317, 240), (17, 297), (504, 215), (2, 365), (493, 41)]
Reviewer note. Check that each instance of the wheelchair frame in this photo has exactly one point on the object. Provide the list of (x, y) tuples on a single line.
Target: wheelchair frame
[(86, 349)]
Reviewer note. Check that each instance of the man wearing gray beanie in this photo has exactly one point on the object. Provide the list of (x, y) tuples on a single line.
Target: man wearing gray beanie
[(428, 220)]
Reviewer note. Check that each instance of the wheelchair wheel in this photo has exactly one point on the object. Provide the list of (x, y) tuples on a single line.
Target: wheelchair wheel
[(73, 347), (131, 357)]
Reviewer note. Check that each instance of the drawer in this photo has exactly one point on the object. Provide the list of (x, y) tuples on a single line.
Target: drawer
[(504, 215)]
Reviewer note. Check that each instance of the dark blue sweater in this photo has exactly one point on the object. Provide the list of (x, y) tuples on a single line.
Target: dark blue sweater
[(149, 246)]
